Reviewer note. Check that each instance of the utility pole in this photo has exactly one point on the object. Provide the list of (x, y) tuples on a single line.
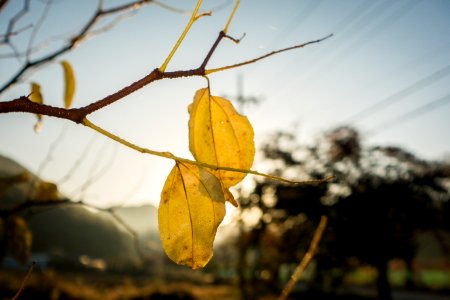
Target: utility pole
[(242, 100)]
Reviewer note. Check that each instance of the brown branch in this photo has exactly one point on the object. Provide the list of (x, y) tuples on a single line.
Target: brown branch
[(211, 51), (73, 42), (266, 55), (23, 104), (15, 19), (306, 259), (24, 281), (2, 4), (37, 27)]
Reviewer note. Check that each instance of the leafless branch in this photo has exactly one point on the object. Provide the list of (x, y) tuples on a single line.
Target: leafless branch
[(78, 162), (15, 19), (187, 11), (71, 44), (95, 175), (2, 4), (37, 27), (306, 259), (23, 104), (24, 281)]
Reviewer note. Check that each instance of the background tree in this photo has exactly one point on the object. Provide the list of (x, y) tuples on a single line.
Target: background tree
[(380, 199)]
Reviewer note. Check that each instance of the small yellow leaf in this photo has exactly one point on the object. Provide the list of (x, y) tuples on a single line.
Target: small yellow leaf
[(192, 207), (219, 136), (69, 80), (36, 96)]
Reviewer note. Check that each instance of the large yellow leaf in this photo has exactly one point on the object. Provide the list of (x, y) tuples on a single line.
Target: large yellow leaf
[(218, 135), (192, 207), (69, 81)]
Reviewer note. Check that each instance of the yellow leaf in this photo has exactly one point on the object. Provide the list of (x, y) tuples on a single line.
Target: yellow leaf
[(36, 96), (69, 80), (219, 136), (192, 207)]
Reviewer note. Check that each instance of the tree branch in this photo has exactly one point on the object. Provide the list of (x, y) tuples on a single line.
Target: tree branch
[(23, 104), (306, 258), (24, 281), (2, 4), (265, 56), (72, 43)]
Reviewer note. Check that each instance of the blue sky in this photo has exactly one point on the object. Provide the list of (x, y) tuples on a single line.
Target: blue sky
[(395, 53)]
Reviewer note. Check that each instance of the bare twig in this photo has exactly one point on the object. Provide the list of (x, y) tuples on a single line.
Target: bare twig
[(187, 11), (24, 281), (95, 175), (265, 56), (15, 19), (16, 32), (77, 115), (306, 259), (46, 160), (78, 162), (72, 43), (2, 4), (37, 27)]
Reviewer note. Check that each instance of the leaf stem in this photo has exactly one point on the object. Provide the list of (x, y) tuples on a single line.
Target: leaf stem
[(231, 16), (169, 155), (194, 18)]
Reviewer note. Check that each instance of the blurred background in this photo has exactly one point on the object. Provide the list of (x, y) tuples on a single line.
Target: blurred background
[(369, 105)]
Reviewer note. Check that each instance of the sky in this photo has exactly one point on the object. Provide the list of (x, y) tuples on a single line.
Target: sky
[(386, 71)]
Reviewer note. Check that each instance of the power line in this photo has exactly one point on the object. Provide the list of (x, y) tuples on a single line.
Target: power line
[(413, 114), (414, 88)]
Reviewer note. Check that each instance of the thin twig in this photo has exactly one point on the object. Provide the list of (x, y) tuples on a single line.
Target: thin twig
[(24, 281), (187, 11), (95, 175), (72, 43), (16, 32), (2, 4), (37, 27), (265, 56), (306, 259), (78, 162), (15, 19), (77, 115)]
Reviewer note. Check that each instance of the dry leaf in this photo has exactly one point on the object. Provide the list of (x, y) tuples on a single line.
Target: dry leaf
[(218, 135), (69, 81), (192, 207)]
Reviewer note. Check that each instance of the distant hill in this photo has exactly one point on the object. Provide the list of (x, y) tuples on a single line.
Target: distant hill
[(76, 233)]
